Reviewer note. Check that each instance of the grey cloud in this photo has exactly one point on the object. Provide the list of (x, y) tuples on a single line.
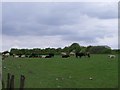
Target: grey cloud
[(56, 12), (33, 30), (79, 38), (119, 10), (106, 11), (87, 37), (90, 34), (49, 19)]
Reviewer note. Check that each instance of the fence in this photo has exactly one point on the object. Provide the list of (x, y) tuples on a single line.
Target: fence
[(10, 82)]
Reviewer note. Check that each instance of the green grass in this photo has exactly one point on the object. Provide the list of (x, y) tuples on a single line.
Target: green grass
[(70, 72)]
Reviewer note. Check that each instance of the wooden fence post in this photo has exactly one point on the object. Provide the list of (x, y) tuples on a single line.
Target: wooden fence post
[(22, 80), (3, 84), (12, 83), (8, 81)]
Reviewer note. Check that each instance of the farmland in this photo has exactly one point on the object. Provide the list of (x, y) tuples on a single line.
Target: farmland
[(60, 72)]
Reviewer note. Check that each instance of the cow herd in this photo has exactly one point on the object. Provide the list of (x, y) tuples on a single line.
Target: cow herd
[(50, 55), (77, 55)]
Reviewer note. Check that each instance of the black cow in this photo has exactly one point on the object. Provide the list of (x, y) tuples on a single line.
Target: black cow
[(32, 55), (51, 54), (48, 56), (65, 56), (80, 54)]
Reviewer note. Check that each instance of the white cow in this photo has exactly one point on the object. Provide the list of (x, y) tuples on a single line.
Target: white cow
[(22, 56), (43, 56), (63, 53), (16, 56), (72, 53), (111, 56)]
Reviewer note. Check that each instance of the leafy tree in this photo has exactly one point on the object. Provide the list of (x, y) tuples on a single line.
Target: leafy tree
[(65, 49), (98, 49), (75, 47)]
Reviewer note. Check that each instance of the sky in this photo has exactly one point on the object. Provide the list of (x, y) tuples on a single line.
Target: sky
[(59, 24)]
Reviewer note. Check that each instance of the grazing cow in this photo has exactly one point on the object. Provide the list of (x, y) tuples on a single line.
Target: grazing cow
[(51, 54), (65, 56), (63, 53), (40, 56), (72, 53), (43, 56), (48, 56), (3, 57), (16, 56), (22, 56), (5, 54), (88, 54), (111, 56), (80, 54), (33, 55)]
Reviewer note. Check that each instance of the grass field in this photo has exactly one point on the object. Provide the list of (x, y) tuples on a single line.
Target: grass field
[(60, 72)]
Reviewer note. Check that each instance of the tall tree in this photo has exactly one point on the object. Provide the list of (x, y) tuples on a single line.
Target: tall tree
[(75, 47)]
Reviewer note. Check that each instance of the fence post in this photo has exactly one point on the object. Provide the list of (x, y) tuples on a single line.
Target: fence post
[(22, 80), (8, 81), (12, 83), (3, 84)]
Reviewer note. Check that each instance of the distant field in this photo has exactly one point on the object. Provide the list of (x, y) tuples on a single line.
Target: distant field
[(60, 72)]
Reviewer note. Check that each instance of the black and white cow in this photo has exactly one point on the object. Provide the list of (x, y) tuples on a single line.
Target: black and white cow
[(88, 54), (50, 55), (65, 56), (111, 56)]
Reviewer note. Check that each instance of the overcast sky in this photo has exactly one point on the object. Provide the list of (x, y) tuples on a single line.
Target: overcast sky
[(50, 24)]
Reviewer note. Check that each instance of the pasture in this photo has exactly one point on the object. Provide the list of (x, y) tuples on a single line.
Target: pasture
[(60, 72)]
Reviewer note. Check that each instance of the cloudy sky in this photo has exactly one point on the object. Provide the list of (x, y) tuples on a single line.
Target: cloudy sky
[(50, 24)]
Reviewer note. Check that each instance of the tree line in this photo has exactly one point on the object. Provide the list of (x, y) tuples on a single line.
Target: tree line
[(75, 47)]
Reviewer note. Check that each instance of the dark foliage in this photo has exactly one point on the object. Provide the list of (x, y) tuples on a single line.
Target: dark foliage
[(75, 47)]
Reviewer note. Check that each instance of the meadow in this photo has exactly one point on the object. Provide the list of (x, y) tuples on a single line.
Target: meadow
[(60, 72)]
